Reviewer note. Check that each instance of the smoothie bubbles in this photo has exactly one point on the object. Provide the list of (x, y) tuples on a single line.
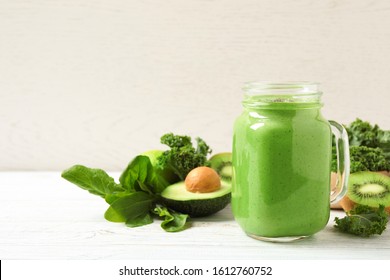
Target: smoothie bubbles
[(282, 150)]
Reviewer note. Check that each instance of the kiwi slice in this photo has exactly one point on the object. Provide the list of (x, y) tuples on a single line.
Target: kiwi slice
[(369, 188), (222, 163)]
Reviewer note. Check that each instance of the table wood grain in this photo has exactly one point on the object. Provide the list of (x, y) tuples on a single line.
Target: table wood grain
[(44, 217)]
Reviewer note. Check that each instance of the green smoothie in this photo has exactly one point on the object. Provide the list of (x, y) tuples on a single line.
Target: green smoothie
[(281, 163)]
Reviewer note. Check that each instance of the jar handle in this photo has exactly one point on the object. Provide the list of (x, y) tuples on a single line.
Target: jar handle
[(342, 150)]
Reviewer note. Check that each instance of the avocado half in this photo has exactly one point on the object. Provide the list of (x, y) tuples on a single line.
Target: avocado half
[(179, 199)]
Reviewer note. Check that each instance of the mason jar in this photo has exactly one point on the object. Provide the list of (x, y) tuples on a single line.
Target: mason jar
[(282, 151)]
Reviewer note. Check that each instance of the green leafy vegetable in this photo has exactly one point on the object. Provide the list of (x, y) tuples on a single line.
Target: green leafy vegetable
[(362, 133), (96, 181), (182, 156), (173, 221), (131, 208), (141, 220), (364, 159), (136, 199), (369, 147), (363, 221), (384, 142), (141, 176)]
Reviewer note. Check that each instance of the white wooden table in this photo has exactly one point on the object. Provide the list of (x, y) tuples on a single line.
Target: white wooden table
[(43, 216)]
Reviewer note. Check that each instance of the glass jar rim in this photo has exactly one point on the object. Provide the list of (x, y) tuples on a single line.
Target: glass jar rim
[(282, 95), (281, 88)]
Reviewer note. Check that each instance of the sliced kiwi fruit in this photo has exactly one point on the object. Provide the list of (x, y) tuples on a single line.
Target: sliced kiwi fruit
[(367, 188), (222, 163)]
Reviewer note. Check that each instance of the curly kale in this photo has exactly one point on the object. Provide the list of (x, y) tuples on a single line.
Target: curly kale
[(369, 147), (384, 142), (362, 133), (364, 159), (183, 156), (363, 221)]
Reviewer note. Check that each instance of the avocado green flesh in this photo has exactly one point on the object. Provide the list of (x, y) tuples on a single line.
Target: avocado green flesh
[(178, 198)]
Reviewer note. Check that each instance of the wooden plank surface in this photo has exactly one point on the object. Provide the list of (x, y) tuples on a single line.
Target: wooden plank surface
[(44, 217)]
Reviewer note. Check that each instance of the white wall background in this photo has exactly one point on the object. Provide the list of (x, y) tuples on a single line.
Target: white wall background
[(97, 82)]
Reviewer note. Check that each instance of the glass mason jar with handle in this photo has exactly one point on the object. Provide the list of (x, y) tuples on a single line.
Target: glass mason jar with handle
[(282, 152)]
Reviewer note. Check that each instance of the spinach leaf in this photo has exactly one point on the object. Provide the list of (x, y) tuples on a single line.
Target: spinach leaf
[(131, 208), (110, 198), (96, 181), (173, 221), (140, 220), (140, 175), (133, 201)]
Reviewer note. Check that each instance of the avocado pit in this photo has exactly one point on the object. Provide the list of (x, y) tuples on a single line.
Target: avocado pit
[(202, 180)]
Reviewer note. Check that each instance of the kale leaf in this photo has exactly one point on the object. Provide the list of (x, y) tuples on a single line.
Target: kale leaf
[(369, 147), (363, 221), (183, 156), (362, 133), (384, 143), (364, 159)]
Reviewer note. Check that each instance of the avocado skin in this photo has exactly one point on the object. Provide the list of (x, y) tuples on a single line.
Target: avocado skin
[(198, 207)]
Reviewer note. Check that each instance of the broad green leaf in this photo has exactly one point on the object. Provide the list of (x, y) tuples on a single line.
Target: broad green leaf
[(173, 221), (96, 181), (129, 207), (110, 198), (141, 220), (141, 176)]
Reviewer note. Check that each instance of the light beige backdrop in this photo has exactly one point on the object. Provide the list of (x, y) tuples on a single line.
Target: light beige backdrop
[(97, 82)]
